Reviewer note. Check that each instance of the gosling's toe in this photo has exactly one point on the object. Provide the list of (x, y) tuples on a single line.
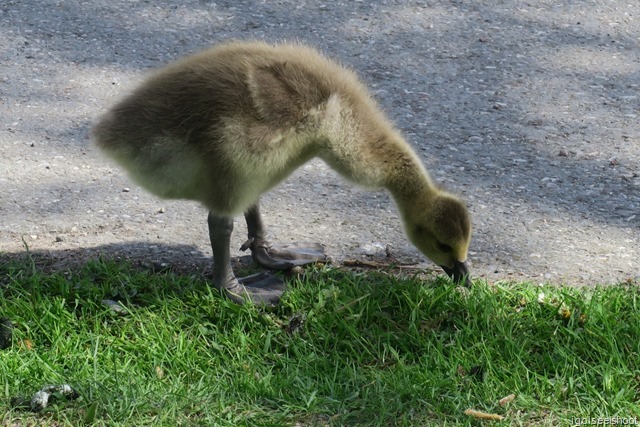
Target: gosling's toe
[(261, 289), (284, 256)]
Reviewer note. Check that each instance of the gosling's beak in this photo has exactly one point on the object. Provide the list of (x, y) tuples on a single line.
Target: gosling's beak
[(459, 273)]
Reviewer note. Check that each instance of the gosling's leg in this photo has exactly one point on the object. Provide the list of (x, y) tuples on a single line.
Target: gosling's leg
[(261, 289), (277, 257)]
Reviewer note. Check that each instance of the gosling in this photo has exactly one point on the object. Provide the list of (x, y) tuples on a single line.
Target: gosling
[(226, 125)]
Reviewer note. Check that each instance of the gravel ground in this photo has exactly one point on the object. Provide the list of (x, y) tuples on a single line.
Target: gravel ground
[(527, 109)]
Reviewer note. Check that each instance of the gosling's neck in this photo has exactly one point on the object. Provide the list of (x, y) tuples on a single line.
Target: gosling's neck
[(366, 149), (409, 183)]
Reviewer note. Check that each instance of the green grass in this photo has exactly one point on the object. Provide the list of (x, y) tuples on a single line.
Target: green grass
[(343, 348)]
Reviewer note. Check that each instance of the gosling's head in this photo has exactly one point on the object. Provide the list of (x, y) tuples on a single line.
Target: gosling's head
[(441, 230)]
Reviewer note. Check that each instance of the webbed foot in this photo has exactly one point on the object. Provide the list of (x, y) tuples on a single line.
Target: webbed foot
[(284, 256), (261, 289), (277, 257)]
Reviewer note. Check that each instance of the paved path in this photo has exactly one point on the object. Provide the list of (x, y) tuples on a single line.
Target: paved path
[(529, 110)]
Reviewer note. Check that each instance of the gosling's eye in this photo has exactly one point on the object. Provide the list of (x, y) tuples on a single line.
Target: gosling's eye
[(444, 247)]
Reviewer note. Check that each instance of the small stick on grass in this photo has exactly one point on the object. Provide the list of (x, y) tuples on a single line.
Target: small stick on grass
[(506, 399), (483, 415), (359, 263), (374, 264)]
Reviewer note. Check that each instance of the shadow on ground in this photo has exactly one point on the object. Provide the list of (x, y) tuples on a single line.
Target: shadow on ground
[(180, 259)]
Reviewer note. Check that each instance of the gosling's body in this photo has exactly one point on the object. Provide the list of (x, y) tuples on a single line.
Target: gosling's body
[(226, 125)]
